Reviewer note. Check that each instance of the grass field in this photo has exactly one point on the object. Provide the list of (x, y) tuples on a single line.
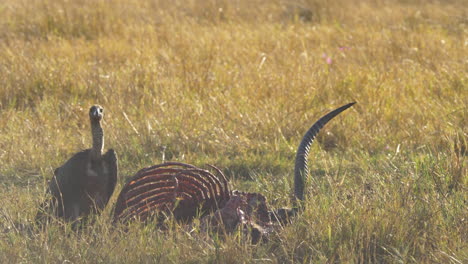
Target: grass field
[(236, 84)]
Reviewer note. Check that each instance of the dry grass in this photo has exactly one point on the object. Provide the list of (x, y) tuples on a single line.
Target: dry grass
[(236, 84)]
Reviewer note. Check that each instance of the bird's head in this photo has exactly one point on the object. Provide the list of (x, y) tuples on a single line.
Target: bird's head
[(96, 112)]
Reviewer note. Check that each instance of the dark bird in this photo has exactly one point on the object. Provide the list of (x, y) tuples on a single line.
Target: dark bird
[(84, 183)]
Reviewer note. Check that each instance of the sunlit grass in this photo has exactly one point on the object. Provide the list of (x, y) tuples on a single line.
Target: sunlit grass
[(236, 84)]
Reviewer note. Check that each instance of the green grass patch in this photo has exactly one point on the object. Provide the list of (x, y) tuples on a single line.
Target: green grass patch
[(236, 84)]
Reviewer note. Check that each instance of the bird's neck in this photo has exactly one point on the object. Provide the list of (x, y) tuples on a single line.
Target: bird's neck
[(98, 139)]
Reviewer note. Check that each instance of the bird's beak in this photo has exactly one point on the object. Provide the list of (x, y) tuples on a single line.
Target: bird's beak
[(95, 112)]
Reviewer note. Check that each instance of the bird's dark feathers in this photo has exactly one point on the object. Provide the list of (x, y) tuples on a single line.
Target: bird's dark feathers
[(111, 160)]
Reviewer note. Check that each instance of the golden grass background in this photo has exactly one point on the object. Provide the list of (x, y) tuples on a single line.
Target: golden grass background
[(236, 84)]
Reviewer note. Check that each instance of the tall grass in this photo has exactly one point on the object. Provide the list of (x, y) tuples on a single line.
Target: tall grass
[(236, 84)]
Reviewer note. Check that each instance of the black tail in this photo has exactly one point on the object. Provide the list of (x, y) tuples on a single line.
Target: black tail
[(301, 171)]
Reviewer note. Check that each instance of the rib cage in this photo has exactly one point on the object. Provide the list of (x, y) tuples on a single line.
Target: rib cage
[(177, 188)]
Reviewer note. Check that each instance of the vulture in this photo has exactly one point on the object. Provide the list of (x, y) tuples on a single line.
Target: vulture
[(84, 183)]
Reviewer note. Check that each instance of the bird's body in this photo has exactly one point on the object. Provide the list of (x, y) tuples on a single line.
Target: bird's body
[(85, 182)]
